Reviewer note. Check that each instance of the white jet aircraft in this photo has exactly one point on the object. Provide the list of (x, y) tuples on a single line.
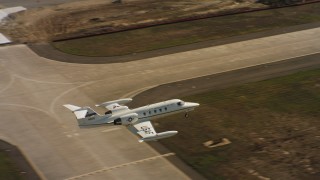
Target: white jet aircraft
[(137, 120)]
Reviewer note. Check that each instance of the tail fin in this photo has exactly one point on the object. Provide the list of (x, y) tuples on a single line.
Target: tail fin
[(83, 114)]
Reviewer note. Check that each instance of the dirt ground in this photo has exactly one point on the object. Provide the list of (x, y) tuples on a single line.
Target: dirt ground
[(98, 16)]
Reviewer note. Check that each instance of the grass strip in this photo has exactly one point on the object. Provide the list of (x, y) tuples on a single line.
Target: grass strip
[(165, 36)]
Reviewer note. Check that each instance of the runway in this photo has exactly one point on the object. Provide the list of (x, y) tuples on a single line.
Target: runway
[(33, 90)]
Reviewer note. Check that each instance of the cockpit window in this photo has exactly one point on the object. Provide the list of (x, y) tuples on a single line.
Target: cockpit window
[(180, 103)]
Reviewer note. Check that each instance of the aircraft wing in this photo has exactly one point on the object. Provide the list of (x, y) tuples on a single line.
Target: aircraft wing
[(145, 129), (147, 132)]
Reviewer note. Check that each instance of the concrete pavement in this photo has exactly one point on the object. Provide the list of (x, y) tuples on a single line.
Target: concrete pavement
[(33, 90)]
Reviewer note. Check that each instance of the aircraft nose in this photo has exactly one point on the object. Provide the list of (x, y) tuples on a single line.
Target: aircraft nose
[(194, 104)]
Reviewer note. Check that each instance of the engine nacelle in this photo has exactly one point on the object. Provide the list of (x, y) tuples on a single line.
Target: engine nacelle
[(126, 119)]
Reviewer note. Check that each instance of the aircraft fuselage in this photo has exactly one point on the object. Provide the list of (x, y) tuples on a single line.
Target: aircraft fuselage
[(144, 113)]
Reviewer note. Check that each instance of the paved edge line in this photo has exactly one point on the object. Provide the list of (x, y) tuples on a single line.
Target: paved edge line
[(137, 91), (111, 129), (119, 166)]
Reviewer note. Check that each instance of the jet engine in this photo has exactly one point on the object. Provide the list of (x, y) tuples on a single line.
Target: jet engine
[(126, 119)]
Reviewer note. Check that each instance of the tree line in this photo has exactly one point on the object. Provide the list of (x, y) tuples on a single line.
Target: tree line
[(277, 3)]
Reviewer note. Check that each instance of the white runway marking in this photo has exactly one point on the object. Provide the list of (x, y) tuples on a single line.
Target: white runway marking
[(120, 166), (25, 106), (52, 105), (136, 92), (111, 129), (47, 82)]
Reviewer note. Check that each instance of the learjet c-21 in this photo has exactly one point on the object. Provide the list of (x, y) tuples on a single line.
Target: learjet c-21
[(136, 120)]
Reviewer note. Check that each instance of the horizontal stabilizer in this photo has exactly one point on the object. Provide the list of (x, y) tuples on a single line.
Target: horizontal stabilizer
[(119, 102), (72, 107), (78, 111)]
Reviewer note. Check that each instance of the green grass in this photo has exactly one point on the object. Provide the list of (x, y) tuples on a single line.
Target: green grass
[(165, 36), (290, 94), (278, 110), (8, 170)]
